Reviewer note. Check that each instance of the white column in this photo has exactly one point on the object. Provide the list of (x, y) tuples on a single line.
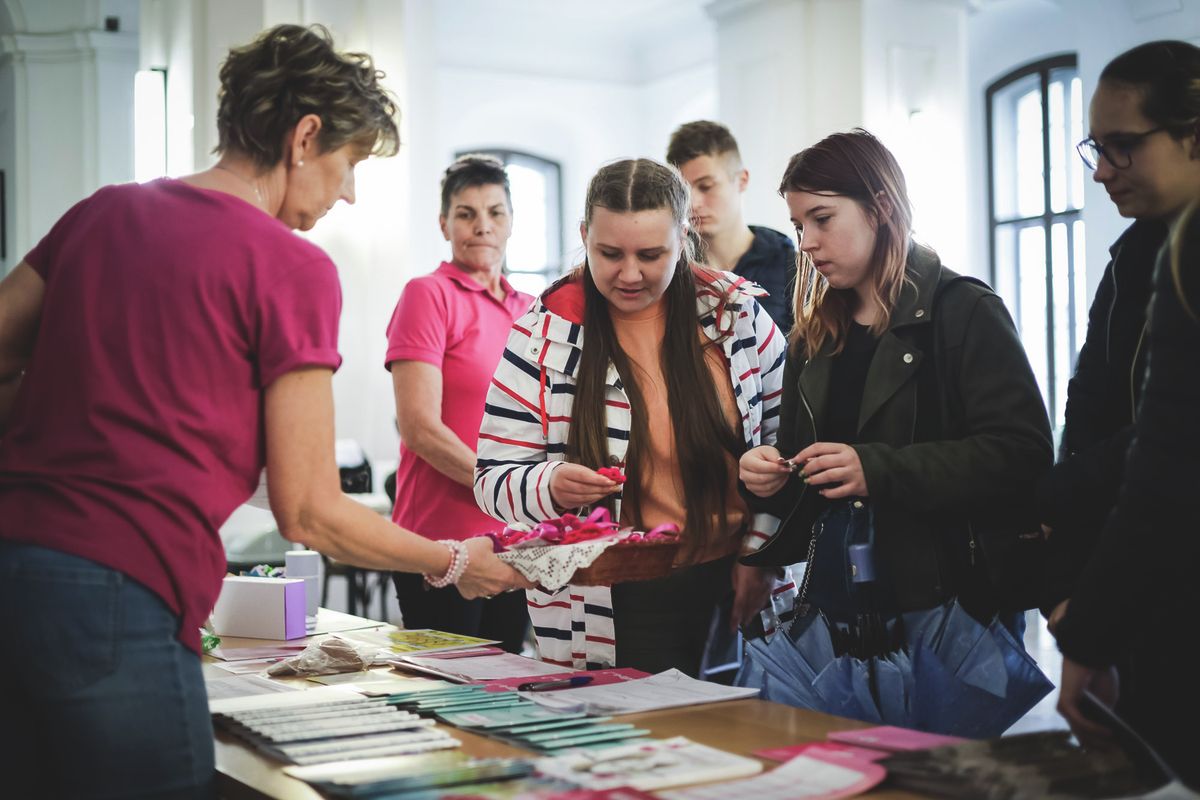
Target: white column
[(71, 124), (789, 72)]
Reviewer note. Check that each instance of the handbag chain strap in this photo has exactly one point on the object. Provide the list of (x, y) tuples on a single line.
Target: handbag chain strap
[(801, 605)]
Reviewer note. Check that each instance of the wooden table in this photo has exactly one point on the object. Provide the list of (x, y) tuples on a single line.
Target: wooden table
[(737, 726)]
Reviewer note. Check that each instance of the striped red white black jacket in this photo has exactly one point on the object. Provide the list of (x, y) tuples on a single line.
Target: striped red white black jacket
[(527, 417)]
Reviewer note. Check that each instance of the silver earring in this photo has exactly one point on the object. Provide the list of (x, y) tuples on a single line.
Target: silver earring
[(300, 163)]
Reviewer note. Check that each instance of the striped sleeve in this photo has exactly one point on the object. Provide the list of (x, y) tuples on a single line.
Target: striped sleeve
[(771, 349), (512, 471), (772, 354)]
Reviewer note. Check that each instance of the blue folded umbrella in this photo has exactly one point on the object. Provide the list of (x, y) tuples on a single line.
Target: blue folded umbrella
[(788, 664), (953, 676), (845, 690), (894, 684)]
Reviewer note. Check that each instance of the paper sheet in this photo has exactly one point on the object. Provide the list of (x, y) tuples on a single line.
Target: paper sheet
[(670, 689), (650, 765), (802, 778), (244, 686), (321, 694), (480, 668), (251, 666), (250, 653), (329, 621)]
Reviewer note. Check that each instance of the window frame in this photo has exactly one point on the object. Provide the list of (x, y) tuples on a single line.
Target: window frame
[(1043, 68)]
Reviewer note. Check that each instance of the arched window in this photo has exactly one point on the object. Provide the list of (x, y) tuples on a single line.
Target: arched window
[(535, 249), (1035, 117)]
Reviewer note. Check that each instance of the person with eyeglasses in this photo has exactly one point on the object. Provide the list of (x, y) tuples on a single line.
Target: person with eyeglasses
[(1144, 148)]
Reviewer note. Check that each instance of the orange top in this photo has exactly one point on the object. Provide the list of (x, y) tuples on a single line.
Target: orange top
[(640, 334)]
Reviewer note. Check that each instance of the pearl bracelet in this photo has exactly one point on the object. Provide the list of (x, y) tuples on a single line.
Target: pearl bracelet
[(459, 558)]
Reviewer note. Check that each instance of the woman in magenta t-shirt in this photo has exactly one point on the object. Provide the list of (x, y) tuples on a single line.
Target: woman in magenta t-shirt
[(158, 347), (444, 341)]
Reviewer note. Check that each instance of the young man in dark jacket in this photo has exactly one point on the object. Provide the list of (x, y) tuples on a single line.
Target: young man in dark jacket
[(707, 155)]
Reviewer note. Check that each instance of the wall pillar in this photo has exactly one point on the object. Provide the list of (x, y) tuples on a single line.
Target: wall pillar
[(62, 140)]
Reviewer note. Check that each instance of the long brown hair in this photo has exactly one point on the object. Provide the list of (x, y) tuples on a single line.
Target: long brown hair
[(704, 439), (1185, 249), (854, 165)]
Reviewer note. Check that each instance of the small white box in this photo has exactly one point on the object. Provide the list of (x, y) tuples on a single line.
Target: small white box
[(260, 608), (306, 564)]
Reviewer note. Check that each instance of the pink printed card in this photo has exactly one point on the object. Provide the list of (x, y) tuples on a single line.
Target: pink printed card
[(600, 677), (892, 739), (834, 750)]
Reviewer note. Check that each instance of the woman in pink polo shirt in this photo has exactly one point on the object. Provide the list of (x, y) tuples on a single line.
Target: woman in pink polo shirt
[(445, 338)]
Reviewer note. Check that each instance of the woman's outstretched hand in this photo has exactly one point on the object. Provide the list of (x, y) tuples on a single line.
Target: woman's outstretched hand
[(487, 575)]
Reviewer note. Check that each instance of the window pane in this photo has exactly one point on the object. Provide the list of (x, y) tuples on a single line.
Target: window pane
[(1017, 172), (536, 243), (1057, 111), (1065, 110), (1031, 291), (1074, 162), (533, 283), (1064, 355), (1082, 297), (1006, 270), (527, 247)]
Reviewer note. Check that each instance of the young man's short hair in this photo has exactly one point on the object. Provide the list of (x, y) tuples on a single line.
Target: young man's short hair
[(701, 138)]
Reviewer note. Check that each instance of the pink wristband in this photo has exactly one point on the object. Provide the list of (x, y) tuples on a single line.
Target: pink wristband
[(459, 558)]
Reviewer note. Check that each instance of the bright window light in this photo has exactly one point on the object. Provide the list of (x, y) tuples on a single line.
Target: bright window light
[(149, 124)]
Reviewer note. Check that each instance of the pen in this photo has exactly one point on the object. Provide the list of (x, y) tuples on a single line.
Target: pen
[(546, 686)]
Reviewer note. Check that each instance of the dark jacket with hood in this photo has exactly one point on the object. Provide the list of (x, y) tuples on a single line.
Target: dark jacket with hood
[(771, 263), (1076, 496), (924, 485)]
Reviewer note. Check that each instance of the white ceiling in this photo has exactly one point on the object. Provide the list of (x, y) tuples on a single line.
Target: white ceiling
[(626, 41)]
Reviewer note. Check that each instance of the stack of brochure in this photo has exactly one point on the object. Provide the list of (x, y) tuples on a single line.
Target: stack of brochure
[(334, 730), (649, 765), (393, 643), (670, 689), (419, 777), (508, 716)]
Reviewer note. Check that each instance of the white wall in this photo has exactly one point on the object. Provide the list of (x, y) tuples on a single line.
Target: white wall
[(664, 104), (8, 161), (765, 86), (914, 100), (1002, 36)]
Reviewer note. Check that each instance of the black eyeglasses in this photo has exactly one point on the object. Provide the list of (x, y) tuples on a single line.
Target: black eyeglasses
[(1118, 151)]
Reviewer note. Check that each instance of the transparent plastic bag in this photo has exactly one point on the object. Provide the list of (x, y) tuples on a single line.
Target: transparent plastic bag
[(325, 657)]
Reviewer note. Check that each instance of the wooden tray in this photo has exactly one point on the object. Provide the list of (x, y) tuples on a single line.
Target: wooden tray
[(625, 562)]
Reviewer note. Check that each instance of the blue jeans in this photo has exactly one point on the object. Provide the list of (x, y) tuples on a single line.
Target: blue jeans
[(97, 696)]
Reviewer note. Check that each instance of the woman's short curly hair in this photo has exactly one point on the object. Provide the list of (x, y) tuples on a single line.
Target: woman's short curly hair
[(291, 71)]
